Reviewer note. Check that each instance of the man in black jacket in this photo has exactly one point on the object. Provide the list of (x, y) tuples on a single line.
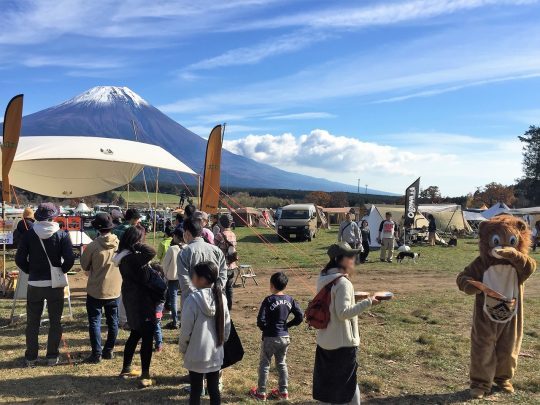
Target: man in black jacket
[(42, 246)]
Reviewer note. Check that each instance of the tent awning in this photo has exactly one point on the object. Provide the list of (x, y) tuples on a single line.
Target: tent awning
[(78, 166)]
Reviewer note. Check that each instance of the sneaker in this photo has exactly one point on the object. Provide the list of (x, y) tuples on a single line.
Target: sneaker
[(171, 326), (253, 393), (53, 361), (275, 394), (107, 355), (30, 363), (93, 359), (158, 349), (130, 373), (146, 381), (506, 386), (477, 393)]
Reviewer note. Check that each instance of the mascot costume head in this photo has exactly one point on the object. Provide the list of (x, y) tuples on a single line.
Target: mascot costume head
[(496, 278)]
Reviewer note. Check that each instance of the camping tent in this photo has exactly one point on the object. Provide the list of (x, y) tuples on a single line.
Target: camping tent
[(376, 215), (448, 217), (82, 208), (496, 209), (77, 166), (246, 216)]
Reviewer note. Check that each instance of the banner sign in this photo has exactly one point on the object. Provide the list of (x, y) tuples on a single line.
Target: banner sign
[(6, 231), (411, 203), (70, 223), (212, 172)]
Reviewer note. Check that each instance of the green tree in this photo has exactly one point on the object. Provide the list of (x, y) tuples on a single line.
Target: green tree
[(529, 185), (431, 193), (319, 198)]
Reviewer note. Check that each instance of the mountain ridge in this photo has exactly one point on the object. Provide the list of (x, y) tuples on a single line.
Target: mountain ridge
[(108, 111)]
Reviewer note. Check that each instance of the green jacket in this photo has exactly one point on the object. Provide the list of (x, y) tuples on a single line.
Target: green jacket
[(121, 229), (162, 248)]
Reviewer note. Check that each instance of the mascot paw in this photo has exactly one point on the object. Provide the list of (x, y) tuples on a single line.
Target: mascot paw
[(508, 253), (506, 386), (477, 393)]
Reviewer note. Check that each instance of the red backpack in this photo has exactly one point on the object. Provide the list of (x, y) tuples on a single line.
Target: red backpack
[(317, 314)]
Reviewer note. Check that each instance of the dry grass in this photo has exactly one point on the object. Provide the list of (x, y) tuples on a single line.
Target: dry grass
[(414, 349)]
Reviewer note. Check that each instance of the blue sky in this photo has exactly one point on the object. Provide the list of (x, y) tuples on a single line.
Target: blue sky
[(384, 91)]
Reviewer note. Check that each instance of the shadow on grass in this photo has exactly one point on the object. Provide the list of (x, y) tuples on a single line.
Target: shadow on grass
[(77, 389), (449, 398)]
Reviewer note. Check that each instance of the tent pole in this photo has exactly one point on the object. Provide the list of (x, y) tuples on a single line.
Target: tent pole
[(199, 190), (155, 208), (4, 285), (451, 218), (127, 200)]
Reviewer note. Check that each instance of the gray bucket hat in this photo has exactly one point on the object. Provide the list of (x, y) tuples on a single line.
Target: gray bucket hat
[(341, 249)]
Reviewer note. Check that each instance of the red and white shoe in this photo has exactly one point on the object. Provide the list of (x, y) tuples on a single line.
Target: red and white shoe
[(253, 393), (275, 394)]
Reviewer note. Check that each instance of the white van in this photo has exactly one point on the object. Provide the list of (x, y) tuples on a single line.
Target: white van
[(298, 220)]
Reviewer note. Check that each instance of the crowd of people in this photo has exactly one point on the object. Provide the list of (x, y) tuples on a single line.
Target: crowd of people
[(134, 286)]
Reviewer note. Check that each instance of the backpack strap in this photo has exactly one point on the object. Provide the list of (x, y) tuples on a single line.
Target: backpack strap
[(333, 282), (343, 230)]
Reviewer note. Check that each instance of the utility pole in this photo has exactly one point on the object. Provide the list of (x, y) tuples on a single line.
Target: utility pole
[(358, 186), (366, 189)]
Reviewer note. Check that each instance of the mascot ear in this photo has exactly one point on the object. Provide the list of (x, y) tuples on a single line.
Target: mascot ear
[(521, 225)]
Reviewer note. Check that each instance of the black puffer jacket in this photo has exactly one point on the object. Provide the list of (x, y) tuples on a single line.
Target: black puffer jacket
[(135, 294)]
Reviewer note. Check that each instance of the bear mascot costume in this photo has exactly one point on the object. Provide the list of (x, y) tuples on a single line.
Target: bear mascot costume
[(496, 278)]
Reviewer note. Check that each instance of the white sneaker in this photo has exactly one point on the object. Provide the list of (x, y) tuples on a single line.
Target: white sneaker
[(53, 361)]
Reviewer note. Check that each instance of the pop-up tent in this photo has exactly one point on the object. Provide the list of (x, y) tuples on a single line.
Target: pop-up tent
[(448, 217), (376, 215), (78, 166), (496, 209), (82, 208)]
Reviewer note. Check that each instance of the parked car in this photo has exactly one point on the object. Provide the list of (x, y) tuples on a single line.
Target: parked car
[(299, 221)]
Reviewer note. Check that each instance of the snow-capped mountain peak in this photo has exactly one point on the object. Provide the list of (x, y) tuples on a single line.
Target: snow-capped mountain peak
[(106, 95)]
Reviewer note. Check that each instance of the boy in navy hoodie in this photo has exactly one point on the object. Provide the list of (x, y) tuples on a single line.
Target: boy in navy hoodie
[(272, 321)]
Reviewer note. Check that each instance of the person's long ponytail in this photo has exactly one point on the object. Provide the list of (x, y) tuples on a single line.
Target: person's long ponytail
[(209, 271), (220, 313)]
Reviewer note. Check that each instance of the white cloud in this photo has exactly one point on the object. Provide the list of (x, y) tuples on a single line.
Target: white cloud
[(427, 67), (321, 149), (301, 116), (457, 163), (374, 15), (256, 53), (77, 62)]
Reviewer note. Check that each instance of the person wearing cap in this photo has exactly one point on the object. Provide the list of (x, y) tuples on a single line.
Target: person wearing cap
[(226, 241), (349, 232), (116, 216), (334, 375), (24, 225), (103, 287), (132, 218), (207, 234), (40, 248)]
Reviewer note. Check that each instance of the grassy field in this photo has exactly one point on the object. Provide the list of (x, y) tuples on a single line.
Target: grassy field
[(414, 349)]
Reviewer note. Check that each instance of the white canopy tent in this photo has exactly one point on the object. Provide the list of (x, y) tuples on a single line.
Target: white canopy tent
[(473, 216), (496, 209), (78, 166), (82, 208)]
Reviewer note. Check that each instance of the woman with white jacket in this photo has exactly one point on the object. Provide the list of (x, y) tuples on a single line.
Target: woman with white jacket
[(334, 375)]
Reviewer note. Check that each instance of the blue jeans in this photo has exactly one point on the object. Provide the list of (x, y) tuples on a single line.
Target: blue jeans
[(94, 308), (172, 291), (158, 334)]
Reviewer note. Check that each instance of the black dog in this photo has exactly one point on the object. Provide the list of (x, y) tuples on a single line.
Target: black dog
[(410, 255)]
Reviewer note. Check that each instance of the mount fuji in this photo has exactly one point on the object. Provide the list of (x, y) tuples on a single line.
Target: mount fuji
[(108, 111)]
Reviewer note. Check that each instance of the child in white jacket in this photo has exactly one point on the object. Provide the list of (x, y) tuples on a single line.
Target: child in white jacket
[(205, 327), (170, 269)]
